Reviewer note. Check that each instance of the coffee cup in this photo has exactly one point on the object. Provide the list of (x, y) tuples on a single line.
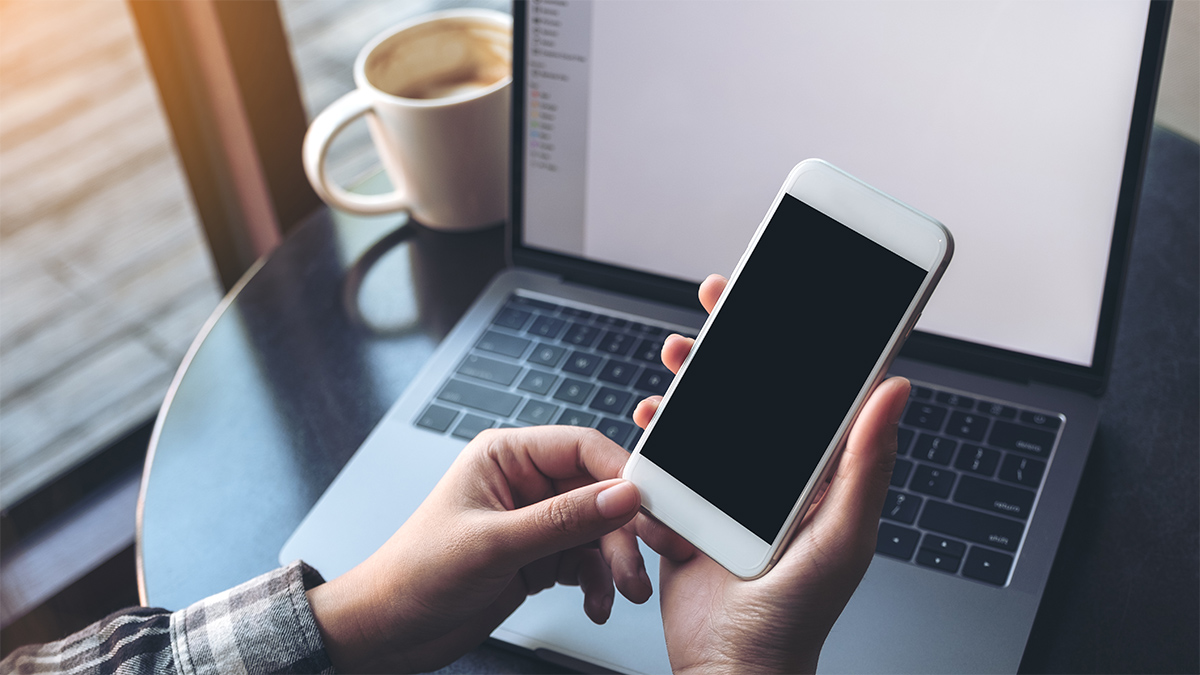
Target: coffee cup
[(435, 91)]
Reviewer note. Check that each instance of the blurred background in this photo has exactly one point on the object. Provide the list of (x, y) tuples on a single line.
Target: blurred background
[(106, 276)]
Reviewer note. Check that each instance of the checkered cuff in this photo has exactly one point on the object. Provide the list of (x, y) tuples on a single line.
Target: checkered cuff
[(262, 626)]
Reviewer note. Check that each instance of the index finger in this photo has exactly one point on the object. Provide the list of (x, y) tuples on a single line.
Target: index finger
[(538, 461), (710, 291), (676, 347)]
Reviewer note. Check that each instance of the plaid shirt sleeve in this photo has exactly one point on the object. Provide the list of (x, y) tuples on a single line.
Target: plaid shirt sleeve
[(262, 626)]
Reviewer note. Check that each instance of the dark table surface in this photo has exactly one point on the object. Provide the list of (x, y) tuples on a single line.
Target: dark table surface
[(310, 350)]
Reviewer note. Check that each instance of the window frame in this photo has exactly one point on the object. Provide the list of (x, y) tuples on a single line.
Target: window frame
[(224, 74)]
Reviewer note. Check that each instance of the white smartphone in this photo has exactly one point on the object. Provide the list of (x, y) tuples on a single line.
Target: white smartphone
[(832, 282)]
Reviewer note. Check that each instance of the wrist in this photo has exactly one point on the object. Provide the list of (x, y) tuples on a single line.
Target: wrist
[(339, 631), (746, 654), (348, 624), (738, 667)]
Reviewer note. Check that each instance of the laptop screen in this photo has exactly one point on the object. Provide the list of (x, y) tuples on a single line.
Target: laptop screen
[(657, 134)]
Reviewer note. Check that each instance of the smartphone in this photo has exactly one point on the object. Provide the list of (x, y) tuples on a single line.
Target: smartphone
[(820, 303)]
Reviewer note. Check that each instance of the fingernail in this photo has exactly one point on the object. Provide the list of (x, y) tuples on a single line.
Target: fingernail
[(601, 609), (617, 500)]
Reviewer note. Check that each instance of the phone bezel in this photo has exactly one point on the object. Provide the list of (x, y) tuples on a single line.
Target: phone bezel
[(911, 234)]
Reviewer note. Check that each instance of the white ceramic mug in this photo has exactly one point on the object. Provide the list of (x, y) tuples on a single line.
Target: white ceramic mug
[(436, 93)]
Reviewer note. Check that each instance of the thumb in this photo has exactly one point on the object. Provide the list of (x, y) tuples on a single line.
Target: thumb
[(860, 486), (565, 521)]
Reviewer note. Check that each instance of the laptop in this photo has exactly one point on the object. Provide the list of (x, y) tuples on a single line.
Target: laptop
[(648, 141)]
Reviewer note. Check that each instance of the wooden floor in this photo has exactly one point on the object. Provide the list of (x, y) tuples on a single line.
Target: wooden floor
[(104, 276)]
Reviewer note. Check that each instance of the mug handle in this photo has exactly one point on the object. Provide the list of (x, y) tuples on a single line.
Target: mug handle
[(328, 124)]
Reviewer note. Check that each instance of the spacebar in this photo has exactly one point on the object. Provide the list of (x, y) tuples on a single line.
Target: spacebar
[(973, 525), (480, 398)]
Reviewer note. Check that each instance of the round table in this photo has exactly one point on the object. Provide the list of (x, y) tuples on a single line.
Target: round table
[(306, 354)]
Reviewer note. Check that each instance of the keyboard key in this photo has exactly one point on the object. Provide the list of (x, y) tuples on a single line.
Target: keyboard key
[(546, 355), (997, 410), (933, 542), (573, 391), (576, 418), (646, 330), (532, 302), (654, 381), (616, 430), (895, 541), (611, 401), (582, 363), (513, 318), (537, 382), (936, 560), (605, 320), (1025, 439), (617, 372), (904, 439), (931, 481), (649, 351), (967, 425), (616, 343), (538, 412), (977, 459), (577, 313), (481, 398), (934, 449), (581, 335), (988, 566), (547, 327), (437, 418), (499, 343), (900, 472), (1049, 422), (971, 525), (1023, 470), (901, 507), (921, 393), (954, 400), (925, 416), (1003, 499), (489, 370), (471, 425)]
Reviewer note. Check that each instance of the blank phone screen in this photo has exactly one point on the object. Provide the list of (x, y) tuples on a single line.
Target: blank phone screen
[(779, 368)]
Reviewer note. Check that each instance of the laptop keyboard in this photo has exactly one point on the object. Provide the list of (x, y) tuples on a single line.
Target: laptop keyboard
[(544, 363), (966, 477), (966, 480)]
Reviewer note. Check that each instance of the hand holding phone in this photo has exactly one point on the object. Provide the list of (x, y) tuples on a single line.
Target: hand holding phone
[(782, 382), (842, 272), (778, 622), (839, 270)]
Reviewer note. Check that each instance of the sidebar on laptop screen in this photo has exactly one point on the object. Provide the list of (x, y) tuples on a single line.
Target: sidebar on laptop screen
[(658, 132)]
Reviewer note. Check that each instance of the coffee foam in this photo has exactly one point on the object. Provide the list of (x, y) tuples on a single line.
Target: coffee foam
[(441, 60)]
